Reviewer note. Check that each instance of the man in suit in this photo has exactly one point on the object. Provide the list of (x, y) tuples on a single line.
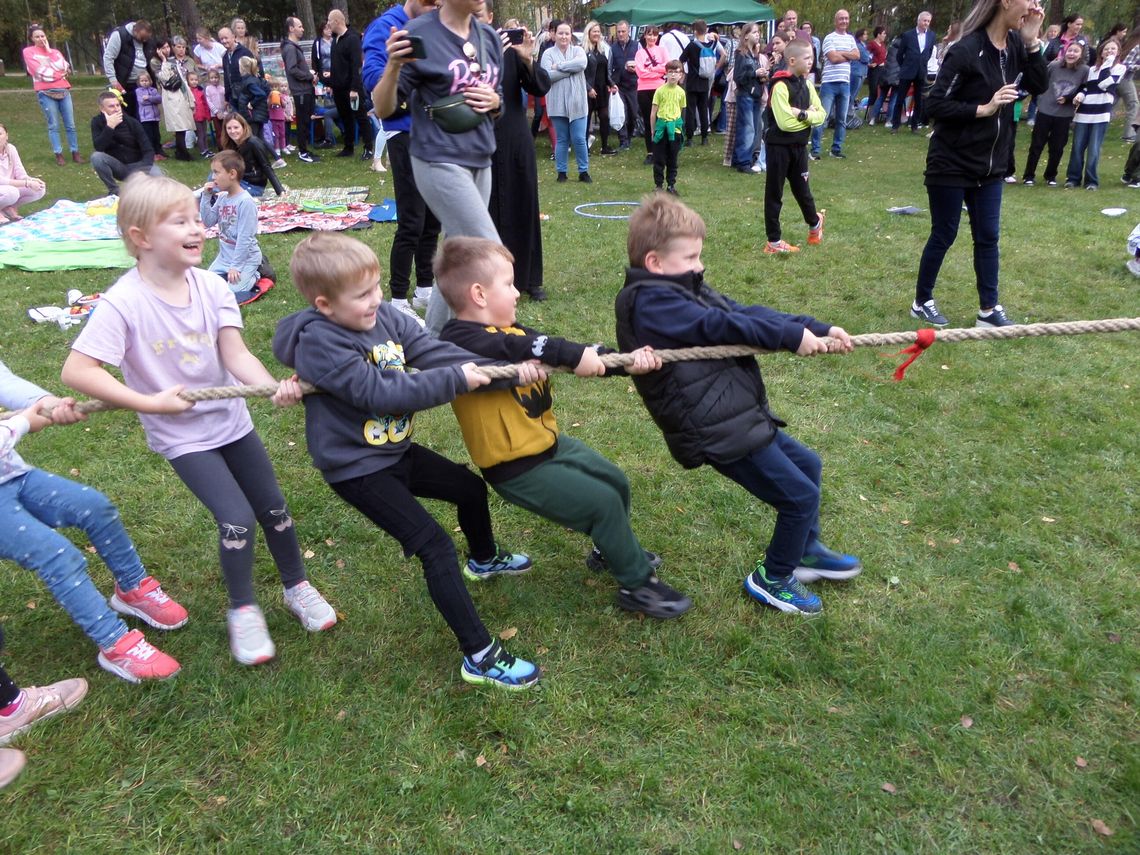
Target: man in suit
[(347, 86), (915, 48)]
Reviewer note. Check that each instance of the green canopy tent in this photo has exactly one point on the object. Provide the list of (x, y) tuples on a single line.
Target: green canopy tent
[(642, 12)]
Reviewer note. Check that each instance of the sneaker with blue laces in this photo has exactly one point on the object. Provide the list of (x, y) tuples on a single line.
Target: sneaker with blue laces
[(928, 313), (787, 595), (994, 318), (499, 668), (597, 562), (502, 564), (819, 562)]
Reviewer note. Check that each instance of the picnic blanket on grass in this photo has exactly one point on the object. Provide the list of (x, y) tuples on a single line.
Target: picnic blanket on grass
[(42, 255)]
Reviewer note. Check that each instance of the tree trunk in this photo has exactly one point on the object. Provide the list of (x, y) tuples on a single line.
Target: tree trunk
[(191, 21), (305, 13)]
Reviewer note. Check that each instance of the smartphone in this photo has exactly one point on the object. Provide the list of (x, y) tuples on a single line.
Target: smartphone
[(515, 35), (1017, 80), (418, 49)]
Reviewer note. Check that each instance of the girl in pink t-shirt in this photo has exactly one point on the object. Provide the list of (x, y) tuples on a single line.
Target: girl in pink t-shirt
[(168, 325)]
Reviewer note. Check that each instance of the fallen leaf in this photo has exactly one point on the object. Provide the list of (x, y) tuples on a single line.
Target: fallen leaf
[(1114, 637), (1048, 519), (1100, 828), (541, 650), (1014, 566), (834, 710), (291, 444), (508, 633), (457, 529), (592, 582), (90, 549), (503, 749), (330, 542), (679, 509), (340, 564), (340, 615), (342, 715), (966, 721), (1082, 763), (930, 542), (576, 424), (862, 498), (74, 472), (955, 540), (219, 800), (630, 389), (737, 845), (31, 604), (310, 554), (905, 522), (480, 761), (945, 367), (888, 787), (894, 580)]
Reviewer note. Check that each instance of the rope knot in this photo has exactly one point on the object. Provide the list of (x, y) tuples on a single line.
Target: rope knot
[(923, 340)]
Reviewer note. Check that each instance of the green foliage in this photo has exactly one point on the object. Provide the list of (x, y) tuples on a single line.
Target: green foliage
[(992, 497)]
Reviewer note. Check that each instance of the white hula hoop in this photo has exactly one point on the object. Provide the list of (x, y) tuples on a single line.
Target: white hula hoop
[(581, 211)]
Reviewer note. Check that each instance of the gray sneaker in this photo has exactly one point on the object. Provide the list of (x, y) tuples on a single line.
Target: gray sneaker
[(655, 599), (928, 313)]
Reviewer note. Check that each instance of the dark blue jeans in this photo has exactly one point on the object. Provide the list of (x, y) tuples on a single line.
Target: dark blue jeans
[(984, 207), (748, 125), (785, 474)]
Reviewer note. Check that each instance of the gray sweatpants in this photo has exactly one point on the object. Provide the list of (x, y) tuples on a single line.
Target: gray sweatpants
[(458, 196)]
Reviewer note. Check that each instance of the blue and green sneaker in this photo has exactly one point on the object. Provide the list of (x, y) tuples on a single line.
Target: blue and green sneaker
[(502, 564), (787, 595), (819, 562), (499, 668)]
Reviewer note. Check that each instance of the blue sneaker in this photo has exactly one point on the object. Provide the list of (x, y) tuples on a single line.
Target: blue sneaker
[(503, 564), (499, 668), (819, 562), (787, 595)]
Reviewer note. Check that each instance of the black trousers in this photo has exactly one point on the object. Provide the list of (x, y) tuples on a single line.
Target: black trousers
[(362, 129), (916, 113), (303, 105), (697, 112), (665, 153), (388, 498), (417, 229), (629, 101), (1051, 131), (600, 107), (645, 106), (787, 162)]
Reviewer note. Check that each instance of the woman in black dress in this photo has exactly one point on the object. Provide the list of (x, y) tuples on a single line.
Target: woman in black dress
[(514, 172)]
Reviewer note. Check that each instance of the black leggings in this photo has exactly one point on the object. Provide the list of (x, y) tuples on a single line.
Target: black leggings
[(9, 691), (388, 498), (645, 105), (237, 485), (600, 107)]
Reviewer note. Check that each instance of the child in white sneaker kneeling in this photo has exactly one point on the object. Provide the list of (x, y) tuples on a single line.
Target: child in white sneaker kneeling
[(168, 325), (35, 503)]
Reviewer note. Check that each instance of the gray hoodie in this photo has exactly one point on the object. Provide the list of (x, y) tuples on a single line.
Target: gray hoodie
[(363, 421)]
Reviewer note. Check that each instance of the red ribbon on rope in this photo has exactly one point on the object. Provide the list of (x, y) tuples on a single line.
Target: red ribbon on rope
[(924, 340)]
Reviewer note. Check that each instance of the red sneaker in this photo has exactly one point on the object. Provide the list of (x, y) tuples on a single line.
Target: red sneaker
[(815, 235), (134, 659), (150, 603)]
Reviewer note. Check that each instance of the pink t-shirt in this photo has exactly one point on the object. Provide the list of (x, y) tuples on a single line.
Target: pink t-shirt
[(157, 345)]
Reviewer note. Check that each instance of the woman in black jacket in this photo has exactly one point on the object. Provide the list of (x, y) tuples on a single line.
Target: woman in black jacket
[(598, 84), (971, 106), (256, 154)]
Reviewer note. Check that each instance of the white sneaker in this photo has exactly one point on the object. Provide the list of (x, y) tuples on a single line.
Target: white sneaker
[(757, 168), (310, 607), (405, 308), (1133, 264), (249, 636), (279, 164), (420, 300)]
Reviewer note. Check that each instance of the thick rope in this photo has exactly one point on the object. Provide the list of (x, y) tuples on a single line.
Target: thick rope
[(689, 354)]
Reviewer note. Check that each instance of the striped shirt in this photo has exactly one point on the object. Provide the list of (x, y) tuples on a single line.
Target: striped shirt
[(1099, 92), (837, 72)]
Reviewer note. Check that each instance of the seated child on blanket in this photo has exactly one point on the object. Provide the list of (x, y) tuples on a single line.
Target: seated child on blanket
[(358, 351), (715, 411), (1133, 263), (513, 438), (226, 204)]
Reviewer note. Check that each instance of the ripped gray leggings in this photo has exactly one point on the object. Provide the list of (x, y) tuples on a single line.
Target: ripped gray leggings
[(237, 485)]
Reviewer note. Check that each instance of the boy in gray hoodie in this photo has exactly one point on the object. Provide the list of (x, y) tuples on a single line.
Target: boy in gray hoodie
[(358, 350)]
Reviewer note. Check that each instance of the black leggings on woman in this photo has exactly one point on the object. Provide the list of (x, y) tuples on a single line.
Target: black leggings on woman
[(645, 105), (600, 107)]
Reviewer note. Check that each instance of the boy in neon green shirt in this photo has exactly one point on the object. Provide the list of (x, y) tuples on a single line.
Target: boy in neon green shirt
[(668, 126)]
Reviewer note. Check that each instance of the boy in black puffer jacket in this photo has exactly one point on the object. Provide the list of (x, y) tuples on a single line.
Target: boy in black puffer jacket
[(715, 411), (793, 110)]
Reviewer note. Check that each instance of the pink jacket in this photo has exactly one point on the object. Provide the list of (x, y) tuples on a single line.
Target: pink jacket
[(649, 63), (48, 69), (11, 167)]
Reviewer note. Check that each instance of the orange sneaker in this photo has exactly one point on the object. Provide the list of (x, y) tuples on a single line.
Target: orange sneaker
[(815, 236), (780, 247), (38, 703), (134, 659), (150, 603)]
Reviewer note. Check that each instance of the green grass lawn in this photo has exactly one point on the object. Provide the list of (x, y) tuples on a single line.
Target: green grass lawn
[(989, 644)]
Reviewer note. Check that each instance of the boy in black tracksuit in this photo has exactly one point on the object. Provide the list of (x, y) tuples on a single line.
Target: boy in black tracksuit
[(715, 411), (793, 110)]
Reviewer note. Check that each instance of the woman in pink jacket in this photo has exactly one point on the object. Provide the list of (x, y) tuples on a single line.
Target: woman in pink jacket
[(649, 63), (48, 70)]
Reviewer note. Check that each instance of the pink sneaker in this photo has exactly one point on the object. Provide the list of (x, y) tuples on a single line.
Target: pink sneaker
[(150, 603), (134, 659), (42, 702), (11, 765)]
